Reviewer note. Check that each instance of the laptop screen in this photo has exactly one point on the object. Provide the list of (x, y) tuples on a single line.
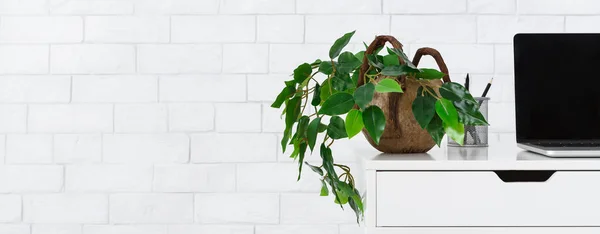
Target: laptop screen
[(557, 87)]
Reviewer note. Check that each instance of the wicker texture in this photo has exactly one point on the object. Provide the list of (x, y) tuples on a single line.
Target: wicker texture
[(402, 132)]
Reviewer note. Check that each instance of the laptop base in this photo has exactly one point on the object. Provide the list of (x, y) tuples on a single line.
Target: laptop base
[(562, 152)]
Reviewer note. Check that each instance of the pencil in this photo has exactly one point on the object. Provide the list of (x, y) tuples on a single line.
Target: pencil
[(467, 82), (487, 88)]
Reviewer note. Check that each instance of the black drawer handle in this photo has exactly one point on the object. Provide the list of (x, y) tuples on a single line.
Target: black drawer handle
[(524, 176)]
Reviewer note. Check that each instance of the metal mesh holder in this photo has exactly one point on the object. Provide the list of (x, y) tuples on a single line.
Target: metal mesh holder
[(476, 136)]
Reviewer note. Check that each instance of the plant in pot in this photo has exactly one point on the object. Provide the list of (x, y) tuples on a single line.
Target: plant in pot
[(399, 108)]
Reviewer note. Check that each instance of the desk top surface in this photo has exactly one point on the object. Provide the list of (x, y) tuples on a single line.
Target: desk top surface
[(504, 156)]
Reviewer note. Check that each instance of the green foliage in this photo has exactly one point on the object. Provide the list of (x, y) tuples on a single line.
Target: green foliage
[(440, 112), (339, 44), (388, 85), (374, 120), (364, 95), (354, 123), (337, 128), (337, 104)]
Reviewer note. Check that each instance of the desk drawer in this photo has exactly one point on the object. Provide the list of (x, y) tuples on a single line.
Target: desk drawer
[(488, 198)]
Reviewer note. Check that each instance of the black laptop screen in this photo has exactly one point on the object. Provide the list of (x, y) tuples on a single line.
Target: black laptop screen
[(557, 86)]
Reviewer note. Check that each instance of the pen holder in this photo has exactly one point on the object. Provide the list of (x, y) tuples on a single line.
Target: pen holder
[(476, 136)]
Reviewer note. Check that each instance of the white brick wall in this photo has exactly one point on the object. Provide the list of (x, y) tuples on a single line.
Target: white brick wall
[(153, 117)]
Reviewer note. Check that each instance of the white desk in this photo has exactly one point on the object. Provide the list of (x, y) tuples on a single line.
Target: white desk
[(500, 189)]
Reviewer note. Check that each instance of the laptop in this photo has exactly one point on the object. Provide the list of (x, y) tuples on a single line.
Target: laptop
[(557, 94)]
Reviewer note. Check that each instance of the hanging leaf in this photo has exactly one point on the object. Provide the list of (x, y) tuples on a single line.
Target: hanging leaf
[(374, 121), (403, 56), (337, 128), (292, 112), (286, 93), (455, 132), (328, 165), (447, 112), (388, 85), (337, 104), (316, 100), (312, 132), (315, 168), (423, 108), (326, 67), (324, 189), (364, 95), (354, 123), (339, 44), (347, 62), (468, 113), (436, 129), (301, 159), (302, 126), (430, 74), (302, 73), (455, 92), (316, 62)]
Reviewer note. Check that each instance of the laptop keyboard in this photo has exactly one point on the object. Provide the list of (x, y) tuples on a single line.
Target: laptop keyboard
[(571, 144)]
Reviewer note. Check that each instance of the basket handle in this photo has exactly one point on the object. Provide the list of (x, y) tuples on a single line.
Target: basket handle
[(438, 59), (376, 44)]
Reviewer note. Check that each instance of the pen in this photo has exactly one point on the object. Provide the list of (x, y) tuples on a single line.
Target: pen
[(467, 82), (487, 88)]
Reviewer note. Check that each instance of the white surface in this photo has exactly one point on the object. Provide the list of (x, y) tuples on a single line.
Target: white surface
[(494, 230), (501, 156)]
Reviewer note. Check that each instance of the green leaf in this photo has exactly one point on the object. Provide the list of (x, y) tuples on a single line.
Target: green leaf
[(455, 132), (337, 104), (455, 92), (360, 55), (312, 131), (316, 62), (354, 123), (302, 73), (430, 74), (322, 128), (328, 165), (326, 68), (292, 111), (355, 77), (347, 62), (397, 70), (374, 121), (283, 95), (337, 128), (339, 44), (423, 108), (341, 81), (326, 90), (468, 113), (447, 112), (341, 198), (388, 85), (302, 126), (315, 168), (403, 56), (390, 60), (356, 204), (301, 159), (324, 189), (375, 60), (364, 95), (316, 100), (436, 129)]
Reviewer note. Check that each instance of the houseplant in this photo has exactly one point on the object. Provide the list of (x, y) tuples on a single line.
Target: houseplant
[(348, 89)]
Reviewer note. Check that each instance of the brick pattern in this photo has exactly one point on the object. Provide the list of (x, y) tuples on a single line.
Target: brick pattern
[(153, 117)]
